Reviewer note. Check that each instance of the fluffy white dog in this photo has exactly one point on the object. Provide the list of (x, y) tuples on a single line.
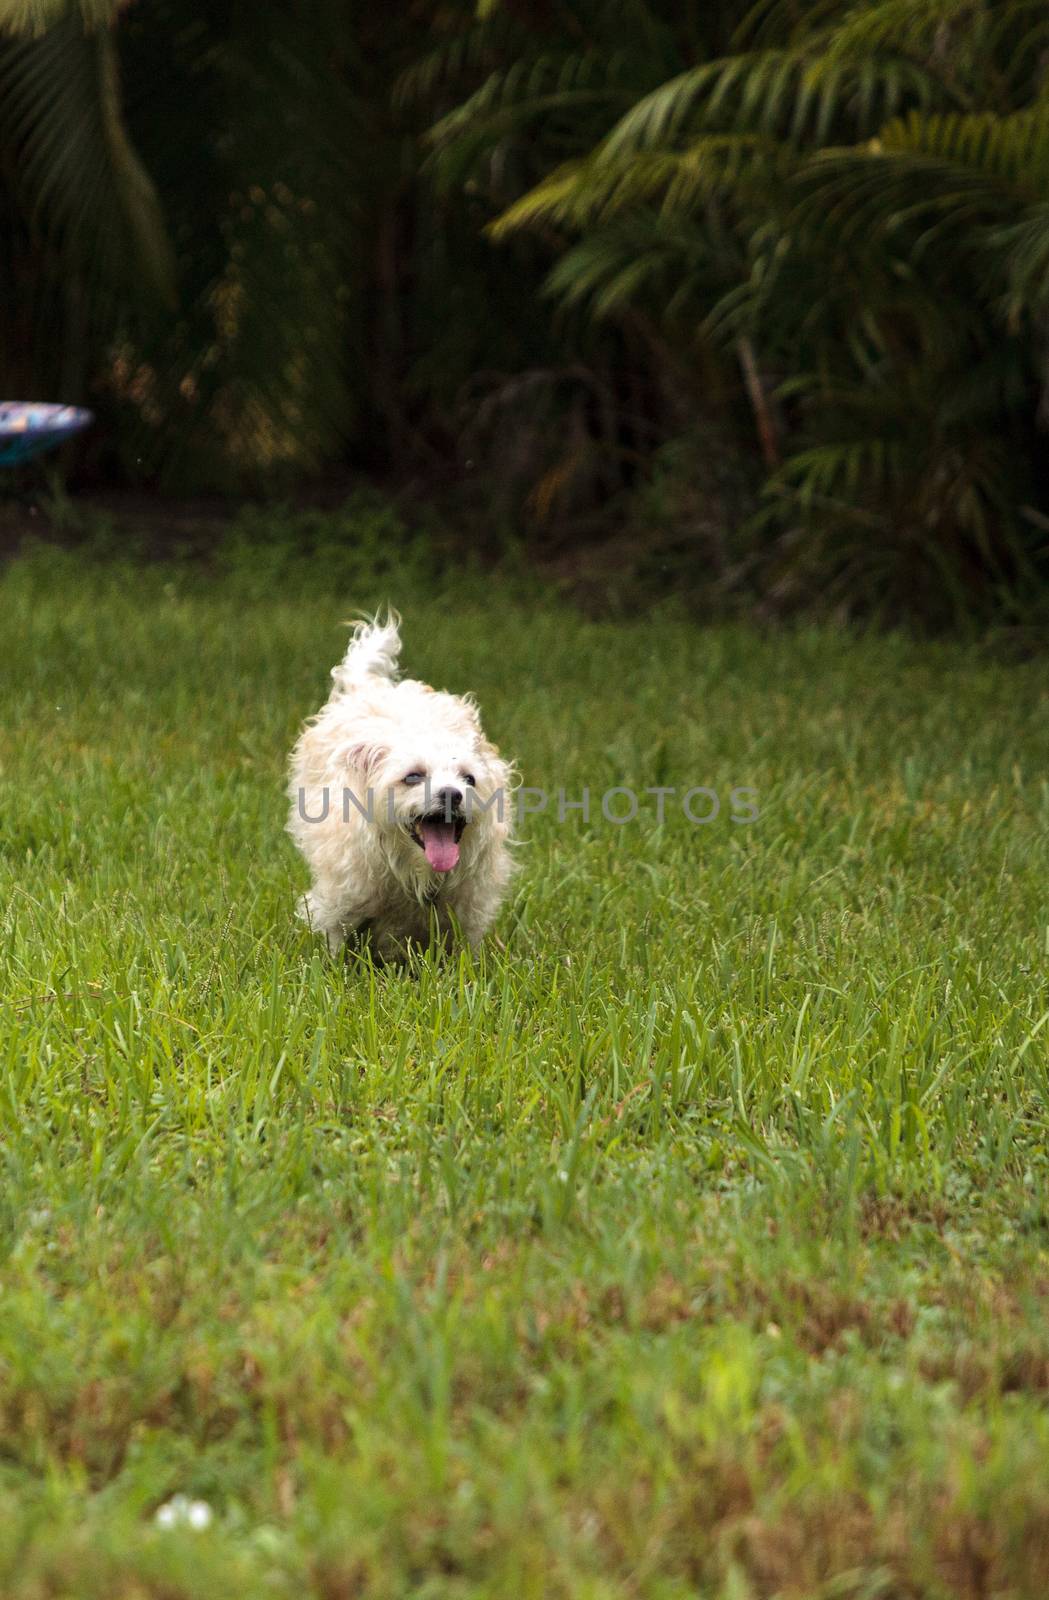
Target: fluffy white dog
[(400, 805)]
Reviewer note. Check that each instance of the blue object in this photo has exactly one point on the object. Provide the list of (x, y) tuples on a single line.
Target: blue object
[(28, 429)]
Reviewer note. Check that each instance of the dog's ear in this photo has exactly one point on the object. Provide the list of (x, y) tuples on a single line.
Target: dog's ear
[(500, 772), (364, 757), (501, 775)]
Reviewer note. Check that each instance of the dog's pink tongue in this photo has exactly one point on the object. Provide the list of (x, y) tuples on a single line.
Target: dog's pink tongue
[(442, 851)]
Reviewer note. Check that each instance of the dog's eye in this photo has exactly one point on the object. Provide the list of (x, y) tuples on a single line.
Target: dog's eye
[(413, 777), (470, 780)]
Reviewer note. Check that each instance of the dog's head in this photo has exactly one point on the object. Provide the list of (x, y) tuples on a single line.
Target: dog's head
[(440, 788)]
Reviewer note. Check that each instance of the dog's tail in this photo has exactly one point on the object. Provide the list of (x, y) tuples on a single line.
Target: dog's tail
[(372, 653)]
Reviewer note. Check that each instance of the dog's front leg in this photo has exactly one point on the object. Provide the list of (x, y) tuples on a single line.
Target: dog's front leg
[(472, 912), (330, 917)]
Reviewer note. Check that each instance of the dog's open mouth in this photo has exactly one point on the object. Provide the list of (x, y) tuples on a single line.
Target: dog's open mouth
[(439, 837)]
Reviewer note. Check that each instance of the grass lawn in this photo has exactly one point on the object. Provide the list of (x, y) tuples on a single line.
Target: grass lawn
[(690, 1241)]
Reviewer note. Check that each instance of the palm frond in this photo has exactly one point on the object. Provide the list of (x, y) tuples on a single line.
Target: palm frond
[(469, 50), (678, 181), (1014, 149), (84, 188), (643, 258), (34, 17), (781, 23), (849, 197), (917, 27), (1025, 246), (797, 94)]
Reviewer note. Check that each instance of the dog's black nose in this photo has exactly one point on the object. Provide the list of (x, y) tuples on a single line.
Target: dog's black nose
[(449, 800)]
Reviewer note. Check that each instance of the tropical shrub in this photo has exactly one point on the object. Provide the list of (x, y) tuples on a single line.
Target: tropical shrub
[(757, 294), (851, 202)]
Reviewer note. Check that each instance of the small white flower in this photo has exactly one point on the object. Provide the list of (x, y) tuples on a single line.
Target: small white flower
[(181, 1512)]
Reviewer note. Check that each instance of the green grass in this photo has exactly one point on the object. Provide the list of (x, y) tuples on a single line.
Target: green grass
[(690, 1241)]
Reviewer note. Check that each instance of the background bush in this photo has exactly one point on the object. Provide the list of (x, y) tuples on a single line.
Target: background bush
[(750, 299)]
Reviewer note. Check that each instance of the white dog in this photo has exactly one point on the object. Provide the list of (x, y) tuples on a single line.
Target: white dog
[(400, 805)]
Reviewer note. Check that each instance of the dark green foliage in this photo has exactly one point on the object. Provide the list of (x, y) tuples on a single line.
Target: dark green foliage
[(867, 182), (553, 247), (217, 328)]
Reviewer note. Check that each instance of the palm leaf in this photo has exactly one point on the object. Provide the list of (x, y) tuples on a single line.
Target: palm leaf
[(83, 187), (35, 17)]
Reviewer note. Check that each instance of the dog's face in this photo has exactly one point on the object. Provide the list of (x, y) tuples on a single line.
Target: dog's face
[(438, 792)]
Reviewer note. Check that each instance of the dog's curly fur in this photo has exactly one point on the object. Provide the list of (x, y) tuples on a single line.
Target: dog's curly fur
[(396, 876)]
